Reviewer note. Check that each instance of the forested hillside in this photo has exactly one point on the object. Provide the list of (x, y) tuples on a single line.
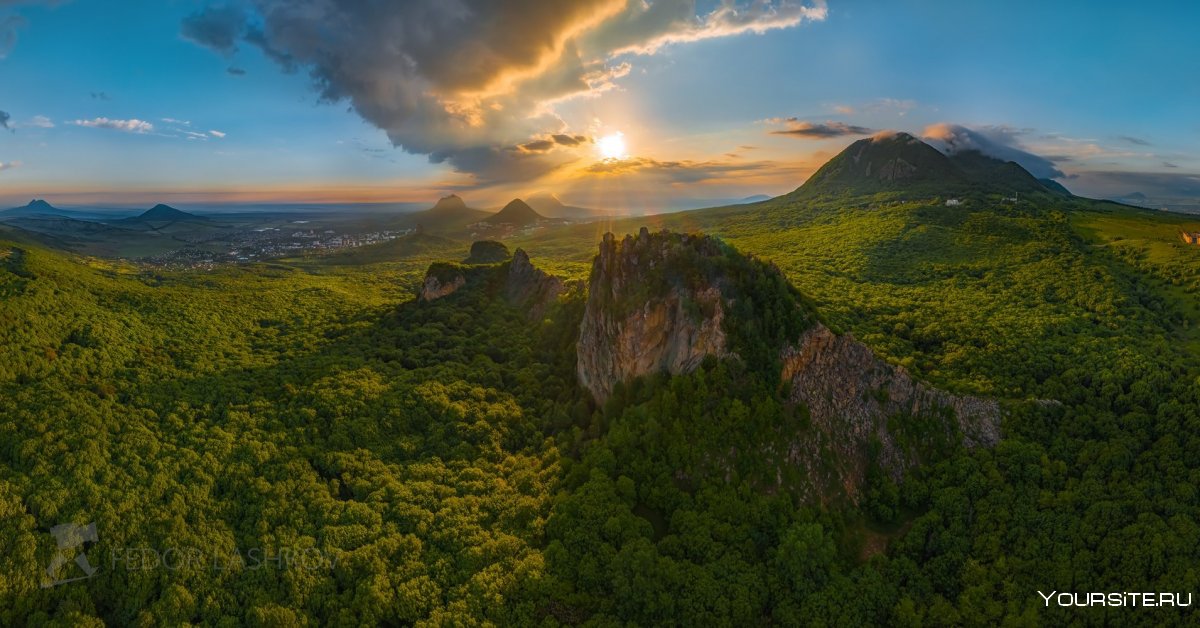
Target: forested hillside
[(445, 466)]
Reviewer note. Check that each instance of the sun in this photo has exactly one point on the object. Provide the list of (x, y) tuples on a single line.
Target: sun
[(612, 146)]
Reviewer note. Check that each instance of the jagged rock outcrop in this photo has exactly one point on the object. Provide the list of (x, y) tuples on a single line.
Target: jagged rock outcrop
[(530, 286), (660, 334), (639, 320), (518, 282), (441, 281), (852, 395)]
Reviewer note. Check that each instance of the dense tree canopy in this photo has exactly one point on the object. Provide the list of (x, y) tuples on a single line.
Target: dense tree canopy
[(437, 462)]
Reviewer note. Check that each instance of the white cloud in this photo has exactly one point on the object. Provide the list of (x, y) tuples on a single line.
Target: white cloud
[(177, 121), (1001, 142), (41, 122), (132, 125), (217, 134), (647, 27), (9, 165)]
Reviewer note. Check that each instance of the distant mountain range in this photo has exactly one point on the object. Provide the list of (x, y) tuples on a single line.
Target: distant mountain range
[(158, 213)]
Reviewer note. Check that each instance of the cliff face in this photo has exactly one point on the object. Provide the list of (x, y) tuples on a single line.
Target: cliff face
[(529, 286), (440, 283), (863, 410), (624, 334), (852, 396)]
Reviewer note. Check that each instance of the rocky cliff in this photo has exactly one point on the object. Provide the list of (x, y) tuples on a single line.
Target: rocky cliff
[(528, 286), (664, 302), (440, 281), (517, 281), (634, 325), (863, 402)]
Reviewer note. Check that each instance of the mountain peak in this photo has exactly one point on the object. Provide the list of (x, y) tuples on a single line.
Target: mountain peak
[(451, 202), (895, 161), (166, 212), (517, 212), (38, 203), (885, 161), (896, 137)]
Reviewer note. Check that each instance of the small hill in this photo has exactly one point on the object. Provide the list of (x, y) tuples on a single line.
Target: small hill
[(517, 213), (165, 214), (550, 206), (35, 207), (451, 203), (448, 214), (487, 252)]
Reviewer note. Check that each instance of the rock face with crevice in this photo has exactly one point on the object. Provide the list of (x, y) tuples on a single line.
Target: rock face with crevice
[(661, 333)]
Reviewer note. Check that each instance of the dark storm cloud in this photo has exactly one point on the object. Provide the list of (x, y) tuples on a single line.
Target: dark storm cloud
[(570, 140), (1000, 142), (4, 118), (819, 131), (235, 71), (216, 27), (490, 164), (538, 146), (463, 81)]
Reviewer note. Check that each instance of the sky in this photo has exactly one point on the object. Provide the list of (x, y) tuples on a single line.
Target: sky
[(617, 104)]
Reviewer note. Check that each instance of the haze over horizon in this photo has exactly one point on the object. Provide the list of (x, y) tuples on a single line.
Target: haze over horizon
[(607, 103)]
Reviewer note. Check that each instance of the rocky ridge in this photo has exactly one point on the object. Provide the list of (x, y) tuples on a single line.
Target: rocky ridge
[(518, 281), (862, 408)]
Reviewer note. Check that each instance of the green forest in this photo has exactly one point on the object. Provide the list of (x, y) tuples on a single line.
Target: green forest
[(437, 463)]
